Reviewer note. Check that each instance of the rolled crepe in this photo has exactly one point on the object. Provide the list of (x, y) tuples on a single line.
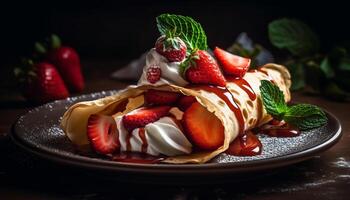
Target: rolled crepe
[(248, 108)]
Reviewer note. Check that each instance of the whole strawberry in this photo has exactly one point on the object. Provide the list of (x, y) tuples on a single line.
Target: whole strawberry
[(202, 68), (67, 61), (173, 48), (41, 82)]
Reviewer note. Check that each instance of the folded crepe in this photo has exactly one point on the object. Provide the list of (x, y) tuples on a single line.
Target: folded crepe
[(74, 121)]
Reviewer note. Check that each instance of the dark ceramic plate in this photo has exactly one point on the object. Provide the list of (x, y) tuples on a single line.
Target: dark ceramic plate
[(38, 131)]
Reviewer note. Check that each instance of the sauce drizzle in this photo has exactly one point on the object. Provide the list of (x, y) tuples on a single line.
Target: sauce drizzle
[(127, 141), (281, 129), (143, 139), (244, 85), (245, 145)]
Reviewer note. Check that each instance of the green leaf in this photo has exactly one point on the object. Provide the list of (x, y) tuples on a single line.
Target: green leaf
[(314, 74), (298, 76), (344, 64), (55, 41), (337, 53), (333, 91), (293, 35), (305, 116), (273, 99), (40, 48), (190, 31), (326, 68)]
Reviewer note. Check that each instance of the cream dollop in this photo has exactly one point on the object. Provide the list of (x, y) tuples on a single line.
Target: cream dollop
[(170, 71), (163, 137)]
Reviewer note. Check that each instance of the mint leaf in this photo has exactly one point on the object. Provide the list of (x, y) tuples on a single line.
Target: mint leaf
[(293, 35), (305, 116), (273, 99), (190, 31)]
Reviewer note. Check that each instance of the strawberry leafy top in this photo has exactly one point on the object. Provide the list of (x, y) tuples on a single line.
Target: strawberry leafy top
[(190, 31)]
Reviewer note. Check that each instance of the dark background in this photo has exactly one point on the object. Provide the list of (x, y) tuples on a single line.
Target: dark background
[(108, 35), (113, 30)]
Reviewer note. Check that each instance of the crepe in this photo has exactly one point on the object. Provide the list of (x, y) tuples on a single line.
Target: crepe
[(74, 121)]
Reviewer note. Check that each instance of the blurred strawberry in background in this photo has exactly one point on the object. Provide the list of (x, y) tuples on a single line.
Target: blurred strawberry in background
[(50, 73), (40, 82), (65, 59)]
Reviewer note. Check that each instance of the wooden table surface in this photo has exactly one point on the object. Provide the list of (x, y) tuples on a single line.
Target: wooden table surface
[(23, 176)]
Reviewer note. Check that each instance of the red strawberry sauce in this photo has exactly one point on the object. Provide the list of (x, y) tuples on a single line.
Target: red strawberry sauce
[(143, 139), (133, 157), (244, 85)]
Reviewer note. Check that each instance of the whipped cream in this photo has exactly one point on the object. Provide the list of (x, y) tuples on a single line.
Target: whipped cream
[(163, 137), (170, 71)]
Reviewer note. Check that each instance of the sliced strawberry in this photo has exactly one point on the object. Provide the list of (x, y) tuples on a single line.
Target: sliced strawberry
[(203, 69), (203, 128), (246, 145), (173, 48), (185, 102), (143, 116), (232, 64), (157, 97), (103, 134), (153, 74)]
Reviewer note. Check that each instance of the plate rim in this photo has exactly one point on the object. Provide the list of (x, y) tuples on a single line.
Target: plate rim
[(245, 166)]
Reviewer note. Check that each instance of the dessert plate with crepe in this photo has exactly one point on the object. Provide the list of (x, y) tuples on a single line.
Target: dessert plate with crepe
[(192, 112)]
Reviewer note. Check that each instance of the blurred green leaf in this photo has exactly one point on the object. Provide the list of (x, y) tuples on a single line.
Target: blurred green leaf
[(314, 75), (326, 68), (344, 64), (293, 35), (337, 53), (343, 80), (298, 77), (333, 91)]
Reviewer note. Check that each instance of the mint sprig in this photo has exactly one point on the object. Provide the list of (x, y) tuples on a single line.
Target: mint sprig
[(306, 116), (303, 116), (190, 31)]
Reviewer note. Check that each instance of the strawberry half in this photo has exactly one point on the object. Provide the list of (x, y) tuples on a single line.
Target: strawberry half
[(103, 134), (173, 48), (203, 128), (203, 69), (157, 97), (185, 102), (143, 116), (231, 64)]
